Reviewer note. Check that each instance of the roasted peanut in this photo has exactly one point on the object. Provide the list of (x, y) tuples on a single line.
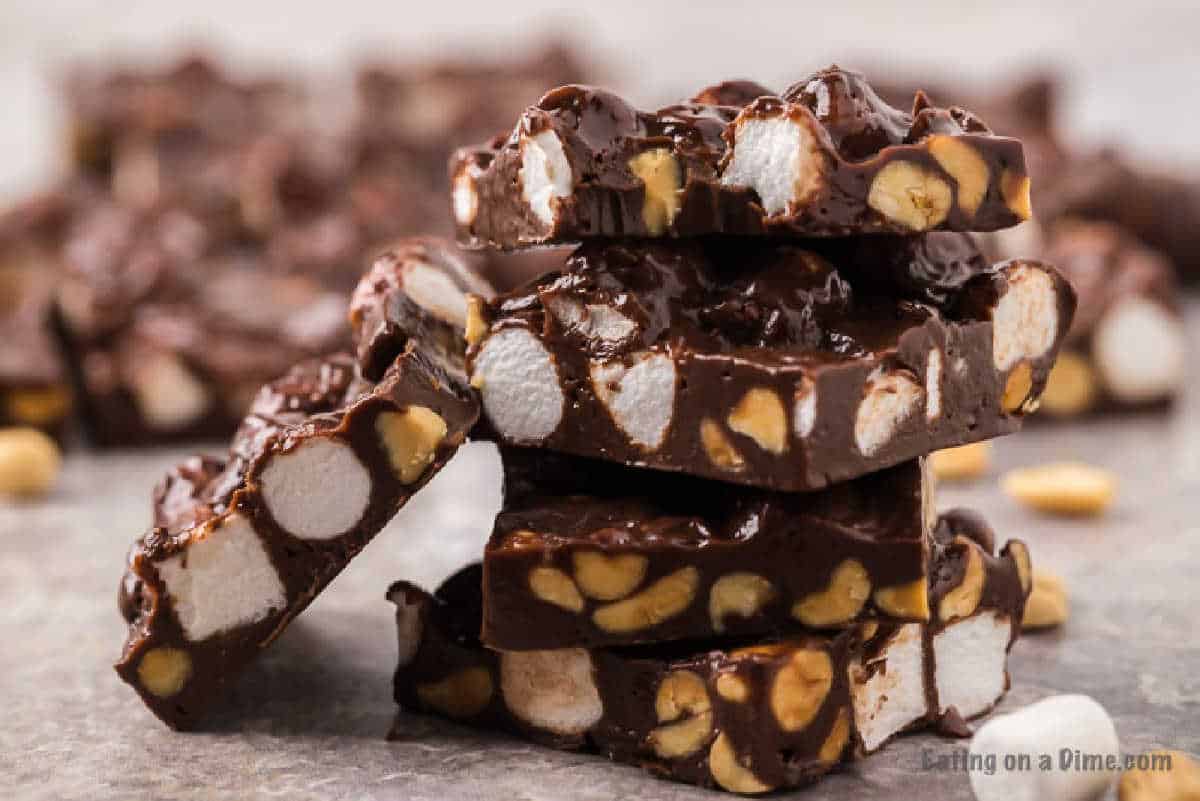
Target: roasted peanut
[(760, 415), (555, 587), (1015, 190), (1065, 488), (965, 166), (1046, 605), (905, 600), (910, 195), (1168, 776), (1071, 386), (164, 671), (1020, 555), (662, 600), (609, 578), (963, 600), (29, 462), (662, 178), (729, 772), (1017, 389), (800, 687), (476, 326), (733, 687), (839, 735), (411, 439), (742, 594), (683, 704), (718, 447), (848, 590), (460, 695), (961, 463)]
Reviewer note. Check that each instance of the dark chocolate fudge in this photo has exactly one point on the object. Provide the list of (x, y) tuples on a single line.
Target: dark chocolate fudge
[(240, 546), (760, 363), (826, 157), (587, 553), (748, 717)]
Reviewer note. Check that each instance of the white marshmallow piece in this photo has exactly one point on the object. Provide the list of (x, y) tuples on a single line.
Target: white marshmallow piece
[(804, 412), (889, 697), (519, 383), (594, 321), (778, 158), (317, 490), (553, 690), (1060, 726), (545, 174), (1140, 351), (970, 658), (223, 580), (639, 397), (1025, 320), (465, 198), (889, 399), (436, 292), (933, 385)]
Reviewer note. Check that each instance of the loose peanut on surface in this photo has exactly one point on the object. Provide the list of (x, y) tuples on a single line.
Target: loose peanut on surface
[(29, 462), (1064, 488), (1047, 603), (962, 463)]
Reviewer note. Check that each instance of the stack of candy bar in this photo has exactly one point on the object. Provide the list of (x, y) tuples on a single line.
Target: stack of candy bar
[(718, 556)]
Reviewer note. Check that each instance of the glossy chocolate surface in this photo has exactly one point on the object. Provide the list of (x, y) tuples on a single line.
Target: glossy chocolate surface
[(854, 136), (320, 401), (560, 509)]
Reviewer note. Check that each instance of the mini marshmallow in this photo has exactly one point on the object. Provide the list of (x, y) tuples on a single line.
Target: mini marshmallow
[(933, 385), (553, 690), (804, 412), (640, 398), (778, 158), (969, 658), (889, 400), (889, 697), (465, 198), (1140, 351), (595, 321), (1057, 726), (1025, 320), (224, 579), (545, 174), (317, 490), (519, 383), (432, 289)]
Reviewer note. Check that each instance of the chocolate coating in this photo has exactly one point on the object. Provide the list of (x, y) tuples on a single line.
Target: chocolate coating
[(847, 137), (559, 509), (717, 321), (207, 501), (618, 703)]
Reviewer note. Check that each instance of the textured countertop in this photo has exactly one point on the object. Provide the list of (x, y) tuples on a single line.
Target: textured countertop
[(308, 721)]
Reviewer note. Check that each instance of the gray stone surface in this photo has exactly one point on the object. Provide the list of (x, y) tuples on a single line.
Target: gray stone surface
[(308, 721)]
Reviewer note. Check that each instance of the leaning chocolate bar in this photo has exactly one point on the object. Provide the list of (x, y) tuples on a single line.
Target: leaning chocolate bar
[(1127, 347), (240, 547), (588, 553), (748, 718), (827, 157), (759, 364)]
